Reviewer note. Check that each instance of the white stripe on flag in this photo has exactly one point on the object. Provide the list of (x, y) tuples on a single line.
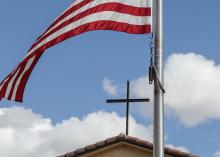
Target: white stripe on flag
[(4, 83), (98, 2), (136, 3), (74, 3), (28, 65), (105, 15), (10, 84)]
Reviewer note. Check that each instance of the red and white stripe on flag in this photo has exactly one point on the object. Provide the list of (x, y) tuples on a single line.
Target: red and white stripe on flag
[(130, 16)]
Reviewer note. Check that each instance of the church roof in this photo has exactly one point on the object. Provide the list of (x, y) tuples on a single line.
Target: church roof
[(126, 139)]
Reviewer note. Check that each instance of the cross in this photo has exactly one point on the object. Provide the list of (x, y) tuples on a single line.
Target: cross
[(127, 101)]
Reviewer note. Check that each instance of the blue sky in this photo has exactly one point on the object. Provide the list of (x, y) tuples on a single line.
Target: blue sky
[(68, 80)]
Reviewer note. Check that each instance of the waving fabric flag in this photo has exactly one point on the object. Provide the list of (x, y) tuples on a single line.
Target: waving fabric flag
[(130, 16)]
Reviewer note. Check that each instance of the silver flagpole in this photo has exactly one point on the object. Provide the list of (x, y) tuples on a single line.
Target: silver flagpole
[(158, 94)]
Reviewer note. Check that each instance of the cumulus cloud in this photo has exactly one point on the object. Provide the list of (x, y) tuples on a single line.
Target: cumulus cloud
[(193, 86), (140, 88), (217, 154), (192, 83), (109, 87), (24, 133)]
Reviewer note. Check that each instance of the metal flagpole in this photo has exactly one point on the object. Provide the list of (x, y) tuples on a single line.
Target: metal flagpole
[(158, 94)]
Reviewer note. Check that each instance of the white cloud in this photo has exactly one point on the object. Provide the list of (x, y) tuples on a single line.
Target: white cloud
[(180, 148), (192, 83), (24, 133), (217, 154), (193, 86), (109, 87), (140, 88)]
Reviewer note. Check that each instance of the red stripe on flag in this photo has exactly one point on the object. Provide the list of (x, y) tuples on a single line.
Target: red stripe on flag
[(98, 25), (70, 11), (21, 67), (117, 7), (22, 85), (5, 84), (65, 14)]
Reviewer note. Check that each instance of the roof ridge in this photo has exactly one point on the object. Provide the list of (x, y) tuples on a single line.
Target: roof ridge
[(125, 138)]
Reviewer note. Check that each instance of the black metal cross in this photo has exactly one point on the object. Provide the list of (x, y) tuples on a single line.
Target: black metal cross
[(127, 101)]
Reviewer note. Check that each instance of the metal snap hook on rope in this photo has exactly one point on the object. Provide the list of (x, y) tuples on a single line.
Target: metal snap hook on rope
[(153, 74)]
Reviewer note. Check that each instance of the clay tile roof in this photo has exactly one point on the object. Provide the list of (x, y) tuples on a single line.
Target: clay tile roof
[(128, 139)]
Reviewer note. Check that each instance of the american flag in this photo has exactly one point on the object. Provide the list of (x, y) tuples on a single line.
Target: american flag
[(130, 16)]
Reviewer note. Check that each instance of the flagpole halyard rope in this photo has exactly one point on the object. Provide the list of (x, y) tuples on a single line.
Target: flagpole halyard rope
[(156, 77), (153, 73)]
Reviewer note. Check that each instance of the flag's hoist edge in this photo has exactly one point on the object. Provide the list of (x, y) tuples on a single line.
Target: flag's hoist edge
[(130, 16)]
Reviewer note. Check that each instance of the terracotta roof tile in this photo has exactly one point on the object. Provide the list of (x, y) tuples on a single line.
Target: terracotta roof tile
[(70, 154), (131, 139), (111, 140), (90, 147), (81, 150), (101, 143), (145, 143)]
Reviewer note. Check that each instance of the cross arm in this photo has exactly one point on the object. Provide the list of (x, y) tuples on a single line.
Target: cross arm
[(125, 100)]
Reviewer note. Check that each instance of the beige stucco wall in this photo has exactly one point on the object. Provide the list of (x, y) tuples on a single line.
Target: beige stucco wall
[(121, 150)]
